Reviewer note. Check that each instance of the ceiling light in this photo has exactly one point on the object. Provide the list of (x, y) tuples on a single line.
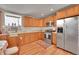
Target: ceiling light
[(51, 9)]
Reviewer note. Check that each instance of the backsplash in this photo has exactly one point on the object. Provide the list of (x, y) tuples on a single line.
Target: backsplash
[(36, 28), (28, 29)]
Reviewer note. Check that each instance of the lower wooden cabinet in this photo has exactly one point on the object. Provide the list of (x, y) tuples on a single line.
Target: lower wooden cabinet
[(41, 36), (54, 38), (25, 38), (3, 37), (12, 41)]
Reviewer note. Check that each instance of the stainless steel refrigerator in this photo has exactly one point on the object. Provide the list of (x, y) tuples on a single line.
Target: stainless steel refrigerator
[(60, 33), (70, 35)]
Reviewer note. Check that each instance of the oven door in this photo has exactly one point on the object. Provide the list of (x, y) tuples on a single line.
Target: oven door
[(47, 35)]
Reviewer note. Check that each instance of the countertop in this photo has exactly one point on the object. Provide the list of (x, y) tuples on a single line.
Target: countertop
[(29, 30)]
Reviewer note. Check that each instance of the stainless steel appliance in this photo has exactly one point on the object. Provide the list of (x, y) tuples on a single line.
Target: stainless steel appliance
[(48, 33), (48, 37), (68, 39), (71, 35), (60, 34)]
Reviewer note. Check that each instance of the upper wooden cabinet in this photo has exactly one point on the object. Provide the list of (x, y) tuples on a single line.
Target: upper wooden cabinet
[(37, 22), (31, 22), (73, 11), (45, 20), (54, 18), (68, 12), (27, 21), (61, 14), (50, 18)]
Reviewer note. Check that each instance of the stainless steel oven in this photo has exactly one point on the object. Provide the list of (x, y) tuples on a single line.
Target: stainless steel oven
[(48, 37)]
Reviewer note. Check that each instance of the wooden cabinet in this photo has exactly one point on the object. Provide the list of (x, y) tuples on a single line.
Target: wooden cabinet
[(73, 11), (34, 36), (68, 12), (39, 23), (3, 36), (31, 22), (36, 22), (54, 18), (54, 38), (45, 20), (12, 41), (25, 38), (76, 7), (21, 39), (41, 36), (61, 14), (27, 21)]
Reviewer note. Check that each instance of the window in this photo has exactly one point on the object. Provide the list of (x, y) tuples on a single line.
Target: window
[(12, 18)]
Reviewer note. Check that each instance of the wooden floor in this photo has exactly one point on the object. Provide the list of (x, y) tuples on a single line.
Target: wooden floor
[(53, 50), (41, 48)]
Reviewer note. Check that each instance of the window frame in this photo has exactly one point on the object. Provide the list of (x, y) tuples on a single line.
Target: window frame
[(14, 16)]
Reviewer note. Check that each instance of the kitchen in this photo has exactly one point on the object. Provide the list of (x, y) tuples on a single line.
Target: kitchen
[(23, 32)]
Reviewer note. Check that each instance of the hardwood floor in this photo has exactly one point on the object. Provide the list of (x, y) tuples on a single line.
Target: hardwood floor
[(53, 50), (41, 48)]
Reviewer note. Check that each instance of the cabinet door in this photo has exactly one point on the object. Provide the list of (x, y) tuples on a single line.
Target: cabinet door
[(20, 40), (76, 12), (54, 38), (71, 34), (33, 37), (12, 41), (50, 18), (45, 20), (26, 39), (27, 21), (36, 36), (3, 37), (72, 11), (39, 23), (54, 18), (61, 14), (41, 36)]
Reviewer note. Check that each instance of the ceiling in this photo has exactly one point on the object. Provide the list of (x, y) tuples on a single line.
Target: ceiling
[(34, 10)]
